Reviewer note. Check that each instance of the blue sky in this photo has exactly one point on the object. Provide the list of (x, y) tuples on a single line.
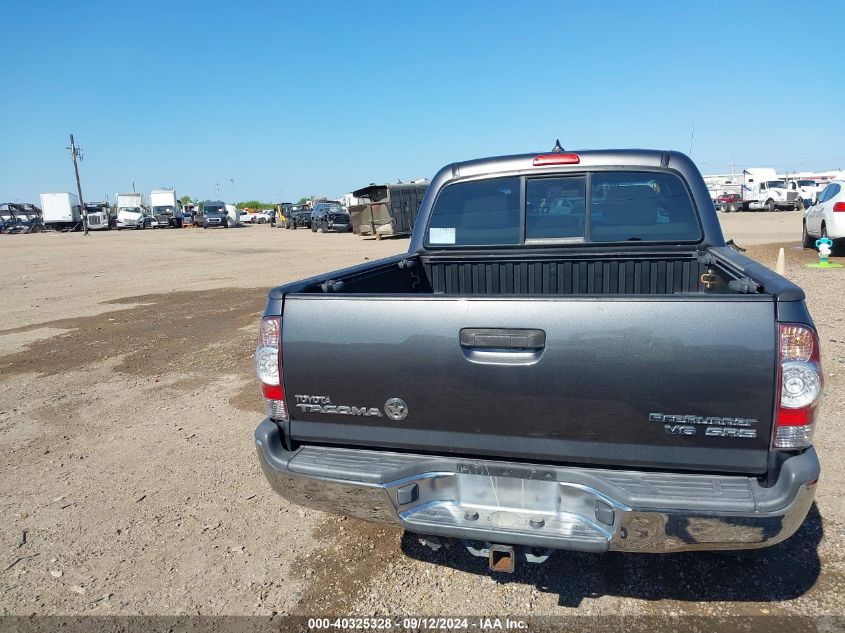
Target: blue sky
[(294, 99)]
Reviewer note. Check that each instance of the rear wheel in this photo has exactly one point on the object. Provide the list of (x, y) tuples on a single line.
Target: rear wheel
[(313, 228), (806, 240)]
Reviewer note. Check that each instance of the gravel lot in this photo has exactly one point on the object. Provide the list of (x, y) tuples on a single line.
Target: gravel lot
[(129, 483)]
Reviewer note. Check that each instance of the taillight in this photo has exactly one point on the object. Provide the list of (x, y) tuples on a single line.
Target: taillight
[(800, 384), (556, 159), (839, 206), (268, 367)]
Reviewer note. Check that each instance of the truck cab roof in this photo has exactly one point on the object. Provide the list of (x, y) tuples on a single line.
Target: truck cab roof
[(545, 164)]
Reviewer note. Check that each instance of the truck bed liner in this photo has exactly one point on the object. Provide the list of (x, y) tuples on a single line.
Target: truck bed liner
[(653, 276)]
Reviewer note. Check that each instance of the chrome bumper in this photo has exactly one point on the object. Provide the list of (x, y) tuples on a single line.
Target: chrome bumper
[(581, 509)]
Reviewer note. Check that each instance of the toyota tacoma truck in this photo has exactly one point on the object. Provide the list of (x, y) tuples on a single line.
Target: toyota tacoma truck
[(567, 357)]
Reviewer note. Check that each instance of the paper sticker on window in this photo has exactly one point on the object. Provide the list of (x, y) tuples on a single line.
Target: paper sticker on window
[(441, 235)]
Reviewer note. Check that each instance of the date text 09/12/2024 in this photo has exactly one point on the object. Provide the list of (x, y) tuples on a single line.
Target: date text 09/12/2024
[(418, 623)]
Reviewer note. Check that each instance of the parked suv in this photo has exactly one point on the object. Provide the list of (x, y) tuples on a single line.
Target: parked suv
[(299, 217), (330, 217), (826, 218)]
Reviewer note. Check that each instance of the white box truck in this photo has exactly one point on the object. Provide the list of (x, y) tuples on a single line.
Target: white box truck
[(130, 211), (61, 211), (166, 209)]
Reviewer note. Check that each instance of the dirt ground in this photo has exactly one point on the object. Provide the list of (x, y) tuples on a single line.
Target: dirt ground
[(129, 482)]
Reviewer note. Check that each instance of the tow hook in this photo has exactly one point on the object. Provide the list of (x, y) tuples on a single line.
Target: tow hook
[(502, 559)]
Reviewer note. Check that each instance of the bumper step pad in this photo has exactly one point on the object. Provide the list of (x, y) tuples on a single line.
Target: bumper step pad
[(558, 531)]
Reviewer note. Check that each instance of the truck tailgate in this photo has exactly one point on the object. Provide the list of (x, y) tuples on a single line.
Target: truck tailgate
[(669, 382)]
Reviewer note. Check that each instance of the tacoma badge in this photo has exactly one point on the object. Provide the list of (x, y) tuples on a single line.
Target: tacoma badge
[(323, 404)]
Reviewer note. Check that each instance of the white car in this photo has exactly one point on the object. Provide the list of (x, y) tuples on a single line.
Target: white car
[(262, 217), (245, 217), (133, 218), (826, 218)]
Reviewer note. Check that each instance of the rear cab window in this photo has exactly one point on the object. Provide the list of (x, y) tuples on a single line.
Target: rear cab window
[(597, 207), (477, 213)]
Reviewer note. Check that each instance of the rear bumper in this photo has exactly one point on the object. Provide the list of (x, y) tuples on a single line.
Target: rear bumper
[(571, 508)]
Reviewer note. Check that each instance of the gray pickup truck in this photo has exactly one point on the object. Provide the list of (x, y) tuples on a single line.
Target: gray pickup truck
[(567, 357)]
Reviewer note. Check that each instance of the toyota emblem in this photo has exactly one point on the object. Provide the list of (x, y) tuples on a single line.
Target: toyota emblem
[(396, 409)]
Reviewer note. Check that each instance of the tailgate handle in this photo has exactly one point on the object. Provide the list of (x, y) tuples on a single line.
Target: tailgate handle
[(503, 338)]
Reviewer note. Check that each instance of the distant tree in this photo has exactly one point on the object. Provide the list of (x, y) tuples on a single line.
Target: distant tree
[(255, 204), (185, 200), (302, 201)]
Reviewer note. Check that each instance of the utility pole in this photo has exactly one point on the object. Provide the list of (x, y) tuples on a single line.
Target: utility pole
[(218, 189), (76, 152), (232, 180)]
